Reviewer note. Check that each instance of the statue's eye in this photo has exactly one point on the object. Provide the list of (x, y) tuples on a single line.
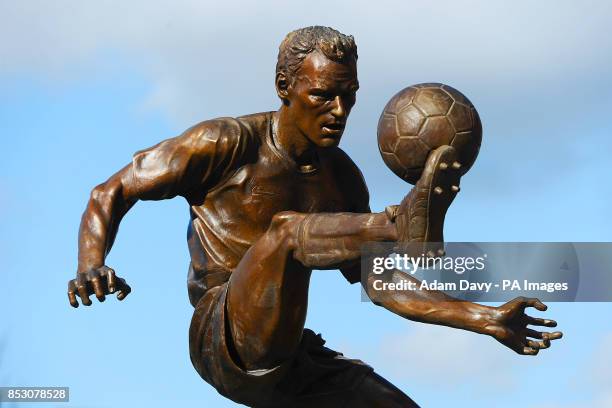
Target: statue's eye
[(322, 96)]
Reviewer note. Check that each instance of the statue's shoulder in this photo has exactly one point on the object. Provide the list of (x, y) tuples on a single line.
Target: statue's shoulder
[(243, 133), (256, 124)]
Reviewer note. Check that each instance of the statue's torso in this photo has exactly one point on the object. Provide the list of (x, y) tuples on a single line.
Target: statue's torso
[(231, 216)]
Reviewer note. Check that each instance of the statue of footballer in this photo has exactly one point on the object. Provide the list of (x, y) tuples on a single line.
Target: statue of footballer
[(272, 197)]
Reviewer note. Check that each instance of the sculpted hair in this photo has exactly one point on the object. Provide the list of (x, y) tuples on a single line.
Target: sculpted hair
[(299, 43)]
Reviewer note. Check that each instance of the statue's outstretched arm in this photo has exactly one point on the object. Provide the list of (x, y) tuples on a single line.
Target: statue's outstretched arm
[(506, 323)]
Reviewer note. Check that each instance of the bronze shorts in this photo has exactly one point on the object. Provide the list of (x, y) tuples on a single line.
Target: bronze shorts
[(315, 376)]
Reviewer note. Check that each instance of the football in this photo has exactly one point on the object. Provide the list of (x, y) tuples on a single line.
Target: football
[(421, 118)]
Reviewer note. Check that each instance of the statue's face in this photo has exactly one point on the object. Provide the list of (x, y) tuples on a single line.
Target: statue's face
[(321, 98)]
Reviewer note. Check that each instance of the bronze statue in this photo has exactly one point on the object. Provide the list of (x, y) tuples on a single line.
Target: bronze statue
[(271, 198)]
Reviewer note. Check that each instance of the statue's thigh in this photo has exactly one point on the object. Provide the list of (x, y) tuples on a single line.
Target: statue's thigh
[(267, 298)]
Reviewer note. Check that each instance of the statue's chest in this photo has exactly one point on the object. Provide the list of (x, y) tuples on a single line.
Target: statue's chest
[(262, 190)]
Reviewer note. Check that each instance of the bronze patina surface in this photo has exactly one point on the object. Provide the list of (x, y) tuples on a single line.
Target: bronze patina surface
[(272, 197)]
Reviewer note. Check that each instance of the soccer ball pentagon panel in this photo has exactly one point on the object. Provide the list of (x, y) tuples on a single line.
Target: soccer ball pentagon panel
[(421, 118)]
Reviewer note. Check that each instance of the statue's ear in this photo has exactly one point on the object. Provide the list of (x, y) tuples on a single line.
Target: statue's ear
[(282, 85)]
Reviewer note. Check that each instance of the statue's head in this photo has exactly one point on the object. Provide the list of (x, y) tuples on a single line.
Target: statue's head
[(316, 79)]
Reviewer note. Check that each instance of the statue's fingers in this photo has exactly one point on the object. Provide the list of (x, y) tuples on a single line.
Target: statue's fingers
[(530, 351), (544, 344), (82, 291), (543, 335), (534, 334), (72, 299), (111, 280), (71, 294), (536, 321), (98, 289), (533, 302), (124, 290)]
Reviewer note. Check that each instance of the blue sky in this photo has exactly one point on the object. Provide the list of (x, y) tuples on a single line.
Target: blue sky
[(83, 85)]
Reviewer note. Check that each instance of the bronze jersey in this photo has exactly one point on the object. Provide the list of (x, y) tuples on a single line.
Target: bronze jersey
[(235, 180)]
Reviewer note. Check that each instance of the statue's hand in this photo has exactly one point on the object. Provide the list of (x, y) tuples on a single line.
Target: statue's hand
[(100, 282), (510, 327)]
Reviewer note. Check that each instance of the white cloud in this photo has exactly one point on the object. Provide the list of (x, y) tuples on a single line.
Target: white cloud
[(535, 71), (206, 58), (595, 377), (601, 365), (461, 363), (420, 355)]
